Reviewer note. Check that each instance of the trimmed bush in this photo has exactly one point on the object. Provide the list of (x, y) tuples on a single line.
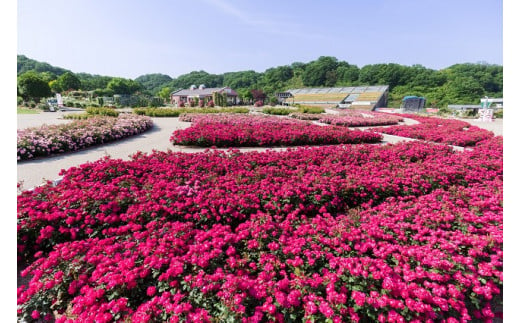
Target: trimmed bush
[(102, 111), (277, 111), (310, 109), (175, 112)]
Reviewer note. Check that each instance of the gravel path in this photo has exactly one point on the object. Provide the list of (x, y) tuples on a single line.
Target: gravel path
[(35, 172)]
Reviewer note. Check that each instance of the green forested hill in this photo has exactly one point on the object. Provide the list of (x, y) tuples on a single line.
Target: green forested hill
[(26, 64), (463, 83)]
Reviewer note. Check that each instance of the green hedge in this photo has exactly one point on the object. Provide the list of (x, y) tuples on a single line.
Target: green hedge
[(77, 116), (278, 111), (310, 109), (92, 112), (287, 111), (102, 111), (166, 112)]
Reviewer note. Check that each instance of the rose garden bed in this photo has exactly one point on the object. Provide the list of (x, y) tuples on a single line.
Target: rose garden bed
[(361, 119), (411, 232), (259, 131), (452, 132), (53, 139)]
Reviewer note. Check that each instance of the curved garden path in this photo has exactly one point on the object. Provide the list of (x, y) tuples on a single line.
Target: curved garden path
[(35, 172)]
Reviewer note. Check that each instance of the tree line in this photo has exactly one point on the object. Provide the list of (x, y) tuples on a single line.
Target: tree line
[(462, 83)]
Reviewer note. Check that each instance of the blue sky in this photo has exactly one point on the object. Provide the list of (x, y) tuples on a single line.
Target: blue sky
[(131, 38)]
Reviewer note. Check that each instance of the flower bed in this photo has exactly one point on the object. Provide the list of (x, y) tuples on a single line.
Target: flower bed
[(411, 231), (258, 131), (306, 116), (361, 119), (47, 140), (451, 132)]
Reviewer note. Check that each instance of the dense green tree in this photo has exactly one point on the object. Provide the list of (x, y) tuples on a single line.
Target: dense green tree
[(164, 93), (48, 76), (33, 86), (388, 74), (196, 78), (321, 72), (67, 81), (464, 89), (243, 79), (428, 78), (245, 95), (277, 75), (91, 82), (490, 77), (123, 86), (369, 74), (153, 82), (347, 74)]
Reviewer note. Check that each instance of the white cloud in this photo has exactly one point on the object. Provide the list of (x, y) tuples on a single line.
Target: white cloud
[(269, 26)]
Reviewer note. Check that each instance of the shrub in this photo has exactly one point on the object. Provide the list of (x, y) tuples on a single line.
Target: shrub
[(211, 104), (305, 116), (42, 106), (159, 112), (102, 111), (259, 103), (277, 111), (201, 103), (77, 116), (311, 109), (499, 114), (175, 112), (181, 104), (273, 101), (444, 110)]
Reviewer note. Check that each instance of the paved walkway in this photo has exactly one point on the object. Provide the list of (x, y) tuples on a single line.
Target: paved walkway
[(35, 172)]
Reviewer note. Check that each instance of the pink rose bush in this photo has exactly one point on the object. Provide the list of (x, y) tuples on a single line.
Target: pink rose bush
[(47, 140), (451, 132), (407, 232), (305, 116), (353, 118), (254, 131)]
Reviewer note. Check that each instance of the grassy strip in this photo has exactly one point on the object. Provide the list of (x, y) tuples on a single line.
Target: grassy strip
[(20, 110)]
